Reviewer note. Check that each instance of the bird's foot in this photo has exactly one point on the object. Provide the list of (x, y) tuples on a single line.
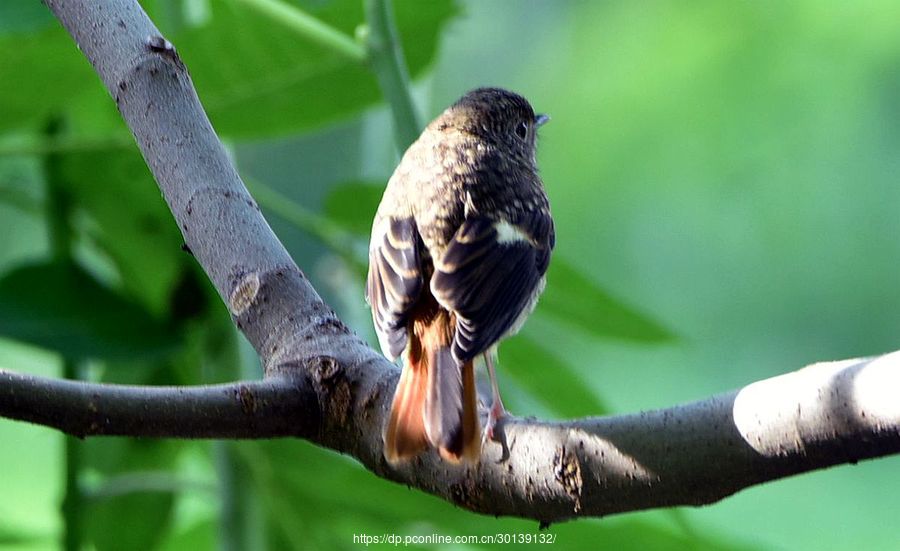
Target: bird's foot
[(496, 413)]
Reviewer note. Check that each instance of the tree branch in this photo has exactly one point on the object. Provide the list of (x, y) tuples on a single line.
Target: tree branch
[(693, 454), (324, 384), (278, 406)]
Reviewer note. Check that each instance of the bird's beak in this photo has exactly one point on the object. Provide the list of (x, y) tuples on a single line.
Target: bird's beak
[(541, 119)]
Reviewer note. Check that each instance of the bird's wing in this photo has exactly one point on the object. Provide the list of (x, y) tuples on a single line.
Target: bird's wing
[(394, 281), (489, 273)]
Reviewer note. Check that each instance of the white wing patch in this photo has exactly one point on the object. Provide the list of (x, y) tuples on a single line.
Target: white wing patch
[(507, 233)]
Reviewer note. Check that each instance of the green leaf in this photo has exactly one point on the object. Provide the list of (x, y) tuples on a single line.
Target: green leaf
[(271, 81), (20, 180), (275, 81), (548, 379), (353, 205), (18, 16), (571, 297), (148, 513), (20, 198), (131, 221), (200, 535), (64, 308), (13, 535), (39, 73)]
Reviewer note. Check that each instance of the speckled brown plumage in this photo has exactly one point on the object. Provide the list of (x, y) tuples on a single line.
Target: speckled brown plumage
[(460, 245)]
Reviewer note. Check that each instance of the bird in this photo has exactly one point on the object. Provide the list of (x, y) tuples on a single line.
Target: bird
[(458, 256)]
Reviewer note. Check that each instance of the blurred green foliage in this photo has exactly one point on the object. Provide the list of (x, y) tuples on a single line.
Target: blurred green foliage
[(724, 182), (62, 307)]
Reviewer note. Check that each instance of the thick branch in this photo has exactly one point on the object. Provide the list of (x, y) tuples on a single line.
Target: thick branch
[(221, 223), (340, 389), (693, 454)]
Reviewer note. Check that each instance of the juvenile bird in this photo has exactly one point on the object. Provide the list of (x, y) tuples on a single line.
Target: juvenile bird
[(460, 245)]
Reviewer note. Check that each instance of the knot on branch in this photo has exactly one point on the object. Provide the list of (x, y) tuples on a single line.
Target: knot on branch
[(247, 399), (158, 44), (244, 294), (567, 471), (332, 389)]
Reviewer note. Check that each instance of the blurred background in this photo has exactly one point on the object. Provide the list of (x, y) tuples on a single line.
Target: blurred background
[(724, 179)]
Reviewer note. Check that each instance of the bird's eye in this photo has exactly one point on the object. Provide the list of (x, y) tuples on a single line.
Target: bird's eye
[(522, 130)]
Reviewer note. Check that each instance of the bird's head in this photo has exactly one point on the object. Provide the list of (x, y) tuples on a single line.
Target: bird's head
[(503, 118)]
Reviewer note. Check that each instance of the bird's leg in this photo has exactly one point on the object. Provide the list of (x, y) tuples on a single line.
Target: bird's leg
[(497, 410)]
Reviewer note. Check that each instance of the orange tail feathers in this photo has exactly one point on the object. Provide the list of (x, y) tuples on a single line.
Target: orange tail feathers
[(435, 404), (404, 435)]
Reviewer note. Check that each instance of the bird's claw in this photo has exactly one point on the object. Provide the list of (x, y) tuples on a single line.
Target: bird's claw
[(496, 413)]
